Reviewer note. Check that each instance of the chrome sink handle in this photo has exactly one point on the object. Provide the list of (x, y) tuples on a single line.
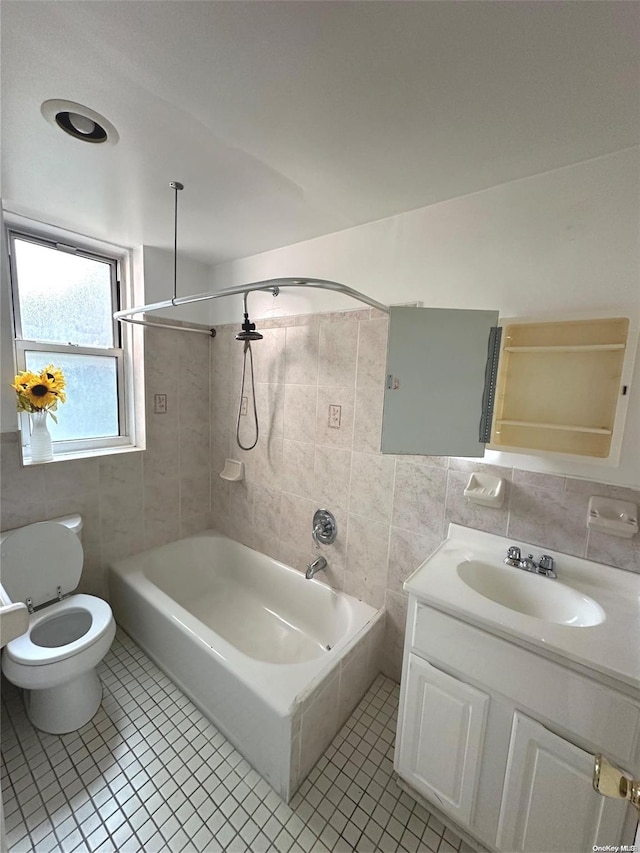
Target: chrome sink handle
[(547, 566), (513, 557)]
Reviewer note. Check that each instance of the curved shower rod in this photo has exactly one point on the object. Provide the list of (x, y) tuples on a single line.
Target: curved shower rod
[(273, 284)]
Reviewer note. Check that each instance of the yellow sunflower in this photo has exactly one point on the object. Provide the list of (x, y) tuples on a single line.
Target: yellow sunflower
[(40, 392), (54, 376), (23, 380), (41, 395)]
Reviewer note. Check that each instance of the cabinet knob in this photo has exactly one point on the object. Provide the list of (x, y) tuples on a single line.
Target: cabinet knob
[(611, 782)]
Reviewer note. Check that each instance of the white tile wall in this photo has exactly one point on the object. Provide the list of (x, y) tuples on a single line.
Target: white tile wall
[(136, 500), (392, 511)]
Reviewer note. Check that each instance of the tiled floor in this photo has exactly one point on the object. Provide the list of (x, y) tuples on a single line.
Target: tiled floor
[(150, 773)]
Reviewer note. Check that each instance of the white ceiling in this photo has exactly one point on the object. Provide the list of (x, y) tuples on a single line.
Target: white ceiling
[(288, 120)]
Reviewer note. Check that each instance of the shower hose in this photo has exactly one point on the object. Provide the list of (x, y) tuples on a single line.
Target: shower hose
[(247, 348)]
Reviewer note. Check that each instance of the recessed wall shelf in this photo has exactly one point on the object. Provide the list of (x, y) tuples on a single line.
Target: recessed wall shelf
[(561, 387), (457, 378)]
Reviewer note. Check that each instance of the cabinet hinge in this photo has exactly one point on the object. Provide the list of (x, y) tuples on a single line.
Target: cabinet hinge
[(490, 378)]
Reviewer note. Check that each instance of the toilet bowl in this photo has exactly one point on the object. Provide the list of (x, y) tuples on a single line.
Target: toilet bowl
[(68, 635)]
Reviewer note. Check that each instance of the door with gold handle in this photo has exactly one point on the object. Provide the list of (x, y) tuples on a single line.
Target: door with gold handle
[(611, 782)]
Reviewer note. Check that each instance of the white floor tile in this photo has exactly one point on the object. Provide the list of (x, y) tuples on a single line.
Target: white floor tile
[(150, 773)]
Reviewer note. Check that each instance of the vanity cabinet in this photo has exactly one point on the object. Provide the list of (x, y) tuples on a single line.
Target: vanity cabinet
[(458, 380), (502, 740), (548, 801), (440, 751)]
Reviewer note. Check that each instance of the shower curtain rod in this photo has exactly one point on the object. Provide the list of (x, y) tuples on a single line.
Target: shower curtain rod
[(273, 284)]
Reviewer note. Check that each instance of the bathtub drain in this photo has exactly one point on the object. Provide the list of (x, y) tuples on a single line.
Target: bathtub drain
[(328, 648)]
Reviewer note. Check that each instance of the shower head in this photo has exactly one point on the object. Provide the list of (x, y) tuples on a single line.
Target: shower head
[(248, 332), (251, 335)]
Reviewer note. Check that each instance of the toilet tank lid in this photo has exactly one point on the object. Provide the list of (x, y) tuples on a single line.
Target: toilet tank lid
[(73, 522), (38, 559)]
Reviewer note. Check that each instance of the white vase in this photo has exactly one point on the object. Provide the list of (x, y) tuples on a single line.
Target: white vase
[(41, 449)]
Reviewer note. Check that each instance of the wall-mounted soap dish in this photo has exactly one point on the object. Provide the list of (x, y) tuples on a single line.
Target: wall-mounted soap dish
[(485, 490), (608, 515), (233, 470)]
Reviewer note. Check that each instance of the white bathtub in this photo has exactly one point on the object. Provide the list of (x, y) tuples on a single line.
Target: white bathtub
[(276, 661)]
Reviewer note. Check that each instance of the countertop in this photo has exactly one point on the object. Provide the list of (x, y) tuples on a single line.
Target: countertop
[(611, 647)]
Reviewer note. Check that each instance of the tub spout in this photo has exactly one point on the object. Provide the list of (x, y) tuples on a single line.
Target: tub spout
[(315, 567)]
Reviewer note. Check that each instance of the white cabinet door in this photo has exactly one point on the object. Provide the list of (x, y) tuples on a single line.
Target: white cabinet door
[(441, 735), (548, 802)]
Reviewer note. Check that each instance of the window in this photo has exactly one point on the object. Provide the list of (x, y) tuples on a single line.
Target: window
[(64, 296)]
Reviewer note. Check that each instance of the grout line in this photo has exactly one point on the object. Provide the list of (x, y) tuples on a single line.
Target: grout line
[(443, 530), (511, 490)]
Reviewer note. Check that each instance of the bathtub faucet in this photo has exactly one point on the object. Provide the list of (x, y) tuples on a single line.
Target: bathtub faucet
[(317, 566)]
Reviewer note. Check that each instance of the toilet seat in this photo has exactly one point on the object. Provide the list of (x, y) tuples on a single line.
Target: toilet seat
[(55, 661), (23, 650), (40, 560)]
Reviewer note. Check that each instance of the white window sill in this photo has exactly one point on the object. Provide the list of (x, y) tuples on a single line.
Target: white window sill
[(81, 454)]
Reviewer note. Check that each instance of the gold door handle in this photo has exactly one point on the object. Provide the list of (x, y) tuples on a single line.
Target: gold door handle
[(611, 782)]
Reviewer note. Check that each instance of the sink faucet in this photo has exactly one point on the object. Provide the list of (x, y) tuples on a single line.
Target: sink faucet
[(528, 563), (317, 566), (546, 565)]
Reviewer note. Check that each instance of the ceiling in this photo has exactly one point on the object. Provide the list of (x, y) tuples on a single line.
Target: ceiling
[(289, 120)]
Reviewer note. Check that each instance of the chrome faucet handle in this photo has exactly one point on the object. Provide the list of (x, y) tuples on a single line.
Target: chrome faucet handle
[(324, 528), (547, 566), (513, 556)]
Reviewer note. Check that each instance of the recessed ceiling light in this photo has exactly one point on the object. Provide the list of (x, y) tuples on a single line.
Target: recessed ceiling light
[(79, 121)]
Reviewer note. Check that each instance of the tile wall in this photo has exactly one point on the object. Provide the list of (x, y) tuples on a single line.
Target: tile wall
[(135, 500), (320, 714), (392, 511)]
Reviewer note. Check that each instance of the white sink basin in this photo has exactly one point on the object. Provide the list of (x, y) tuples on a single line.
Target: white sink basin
[(533, 595), (589, 614)]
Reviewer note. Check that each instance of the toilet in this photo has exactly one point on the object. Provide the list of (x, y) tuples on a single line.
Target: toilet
[(55, 660)]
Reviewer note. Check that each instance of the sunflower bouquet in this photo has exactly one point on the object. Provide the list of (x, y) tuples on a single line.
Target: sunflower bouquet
[(40, 392)]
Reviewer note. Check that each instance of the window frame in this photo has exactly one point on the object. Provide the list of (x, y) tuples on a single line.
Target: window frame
[(119, 261)]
